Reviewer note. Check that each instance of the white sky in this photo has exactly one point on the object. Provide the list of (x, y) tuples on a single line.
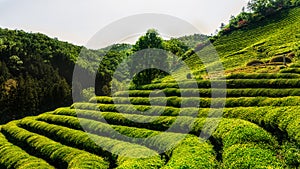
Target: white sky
[(76, 21)]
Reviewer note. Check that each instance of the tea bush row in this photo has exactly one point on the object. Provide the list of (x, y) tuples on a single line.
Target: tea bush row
[(13, 157), (139, 156), (264, 92), (59, 155), (230, 133), (231, 83), (263, 76), (181, 149), (201, 102)]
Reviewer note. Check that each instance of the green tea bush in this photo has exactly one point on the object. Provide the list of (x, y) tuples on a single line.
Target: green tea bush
[(196, 153), (160, 123), (290, 153), (283, 118), (192, 153), (263, 76), (205, 102), (230, 83), (249, 155), (98, 145), (12, 156), (217, 92), (230, 132), (246, 145), (59, 155), (290, 70)]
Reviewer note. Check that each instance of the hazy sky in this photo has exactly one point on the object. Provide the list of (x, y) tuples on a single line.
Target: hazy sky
[(77, 21)]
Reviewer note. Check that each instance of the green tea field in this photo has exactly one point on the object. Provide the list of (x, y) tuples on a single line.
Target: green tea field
[(259, 128), (59, 108)]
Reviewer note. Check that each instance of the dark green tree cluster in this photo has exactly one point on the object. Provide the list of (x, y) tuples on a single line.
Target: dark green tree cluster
[(193, 40), (265, 7), (148, 57), (37, 89), (36, 72), (107, 67)]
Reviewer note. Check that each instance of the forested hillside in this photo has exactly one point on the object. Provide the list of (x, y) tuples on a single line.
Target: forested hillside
[(36, 72)]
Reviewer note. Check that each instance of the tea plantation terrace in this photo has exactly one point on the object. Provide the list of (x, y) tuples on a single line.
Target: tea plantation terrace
[(259, 128)]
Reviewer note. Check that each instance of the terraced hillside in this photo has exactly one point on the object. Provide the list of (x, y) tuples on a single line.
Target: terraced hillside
[(273, 36), (259, 128)]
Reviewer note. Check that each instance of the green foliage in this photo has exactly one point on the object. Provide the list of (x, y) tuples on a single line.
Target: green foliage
[(246, 145), (150, 40), (249, 156), (191, 153), (263, 76), (192, 40), (263, 38), (175, 46), (203, 102), (268, 117), (290, 70), (266, 6), (30, 96), (12, 156), (101, 146), (260, 124), (199, 153), (59, 155), (146, 57), (43, 68), (231, 83), (290, 153), (106, 69), (230, 132), (207, 93)]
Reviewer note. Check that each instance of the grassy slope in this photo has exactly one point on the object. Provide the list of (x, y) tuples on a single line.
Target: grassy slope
[(274, 35)]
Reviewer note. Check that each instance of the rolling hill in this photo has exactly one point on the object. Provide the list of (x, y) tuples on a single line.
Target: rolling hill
[(272, 36)]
